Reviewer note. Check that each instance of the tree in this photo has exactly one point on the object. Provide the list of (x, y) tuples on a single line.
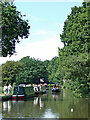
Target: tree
[(52, 68), (74, 57), (13, 28), (32, 71), (75, 35), (9, 71)]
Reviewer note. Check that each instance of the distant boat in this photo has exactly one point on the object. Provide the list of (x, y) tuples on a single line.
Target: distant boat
[(55, 90)]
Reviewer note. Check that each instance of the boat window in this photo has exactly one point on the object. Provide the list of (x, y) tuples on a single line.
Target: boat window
[(21, 90), (15, 90)]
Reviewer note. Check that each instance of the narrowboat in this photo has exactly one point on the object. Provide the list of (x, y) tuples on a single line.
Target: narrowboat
[(22, 92)]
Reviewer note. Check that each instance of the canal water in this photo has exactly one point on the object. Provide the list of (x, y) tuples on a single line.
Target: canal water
[(62, 105)]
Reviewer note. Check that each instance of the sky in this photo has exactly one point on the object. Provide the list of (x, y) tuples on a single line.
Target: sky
[(46, 20)]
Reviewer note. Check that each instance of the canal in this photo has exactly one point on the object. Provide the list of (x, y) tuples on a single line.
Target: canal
[(62, 105)]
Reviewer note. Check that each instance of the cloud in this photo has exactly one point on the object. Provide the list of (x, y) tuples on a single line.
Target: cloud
[(42, 32), (44, 50)]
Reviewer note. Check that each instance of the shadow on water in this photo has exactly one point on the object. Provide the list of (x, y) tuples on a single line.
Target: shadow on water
[(61, 105)]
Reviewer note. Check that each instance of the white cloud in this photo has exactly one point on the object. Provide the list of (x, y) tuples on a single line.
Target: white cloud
[(45, 49)]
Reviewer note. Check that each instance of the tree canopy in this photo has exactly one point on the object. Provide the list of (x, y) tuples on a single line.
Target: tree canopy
[(27, 70), (14, 27), (74, 57), (9, 71), (75, 35), (32, 71)]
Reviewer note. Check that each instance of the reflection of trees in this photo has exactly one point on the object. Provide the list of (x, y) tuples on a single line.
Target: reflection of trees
[(55, 96), (23, 108), (64, 104), (61, 106), (28, 109)]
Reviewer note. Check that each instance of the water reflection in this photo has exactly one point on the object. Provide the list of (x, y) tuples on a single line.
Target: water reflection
[(62, 105), (0, 110), (35, 100), (63, 93), (55, 96), (38, 100), (71, 109), (41, 103), (7, 106), (49, 114)]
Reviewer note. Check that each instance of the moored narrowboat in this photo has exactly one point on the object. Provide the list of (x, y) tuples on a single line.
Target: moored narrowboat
[(22, 92)]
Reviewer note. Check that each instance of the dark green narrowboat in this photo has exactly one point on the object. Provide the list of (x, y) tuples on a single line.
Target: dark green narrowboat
[(22, 92)]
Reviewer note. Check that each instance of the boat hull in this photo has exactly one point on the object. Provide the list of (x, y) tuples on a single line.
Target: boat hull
[(18, 97)]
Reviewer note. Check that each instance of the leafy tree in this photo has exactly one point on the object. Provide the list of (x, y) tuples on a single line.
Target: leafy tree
[(75, 35), (32, 71), (9, 71), (13, 28), (73, 58), (52, 68)]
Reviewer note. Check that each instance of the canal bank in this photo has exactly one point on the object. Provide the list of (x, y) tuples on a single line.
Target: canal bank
[(22, 92), (5, 97)]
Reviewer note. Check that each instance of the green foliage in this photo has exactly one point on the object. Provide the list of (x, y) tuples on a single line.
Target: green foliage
[(13, 28), (32, 71), (9, 71), (52, 68), (74, 57), (75, 34)]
